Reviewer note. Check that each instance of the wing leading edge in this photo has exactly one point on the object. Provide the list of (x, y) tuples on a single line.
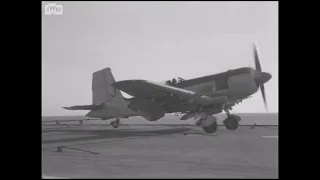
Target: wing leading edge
[(143, 88)]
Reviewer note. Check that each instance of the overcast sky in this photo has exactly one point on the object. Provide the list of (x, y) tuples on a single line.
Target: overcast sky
[(154, 41)]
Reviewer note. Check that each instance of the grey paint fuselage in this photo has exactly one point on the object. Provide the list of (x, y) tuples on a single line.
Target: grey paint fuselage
[(237, 83)]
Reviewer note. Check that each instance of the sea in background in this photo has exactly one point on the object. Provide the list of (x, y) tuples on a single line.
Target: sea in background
[(246, 119)]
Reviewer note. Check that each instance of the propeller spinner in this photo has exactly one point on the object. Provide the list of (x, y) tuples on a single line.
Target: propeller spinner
[(262, 77)]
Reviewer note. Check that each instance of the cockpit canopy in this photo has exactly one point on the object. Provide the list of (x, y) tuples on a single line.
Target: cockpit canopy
[(173, 81)]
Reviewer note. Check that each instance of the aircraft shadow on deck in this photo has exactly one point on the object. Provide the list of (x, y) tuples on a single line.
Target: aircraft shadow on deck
[(109, 134)]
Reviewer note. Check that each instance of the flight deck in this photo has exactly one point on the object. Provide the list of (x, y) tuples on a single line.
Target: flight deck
[(158, 151)]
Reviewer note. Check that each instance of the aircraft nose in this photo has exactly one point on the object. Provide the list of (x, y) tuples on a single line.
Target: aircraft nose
[(263, 77)]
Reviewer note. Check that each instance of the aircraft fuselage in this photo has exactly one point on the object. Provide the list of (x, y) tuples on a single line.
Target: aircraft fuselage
[(237, 83), (234, 83)]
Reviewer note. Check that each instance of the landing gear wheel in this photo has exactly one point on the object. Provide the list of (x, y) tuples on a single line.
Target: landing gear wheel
[(212, 128), (209, 124), (232, 122), (115, 124)]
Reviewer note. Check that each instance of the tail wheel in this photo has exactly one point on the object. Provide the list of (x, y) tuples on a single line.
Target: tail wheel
[(115, 124)]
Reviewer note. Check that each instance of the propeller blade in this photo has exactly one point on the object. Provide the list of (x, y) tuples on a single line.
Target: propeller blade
[(256, 58), (264, 96), (259, 69)]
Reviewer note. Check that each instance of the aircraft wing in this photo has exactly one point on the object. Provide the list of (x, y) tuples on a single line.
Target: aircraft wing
[(232, 102), (143, 88)]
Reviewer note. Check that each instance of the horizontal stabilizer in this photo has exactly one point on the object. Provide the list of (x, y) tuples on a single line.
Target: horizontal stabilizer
[(84, 107)]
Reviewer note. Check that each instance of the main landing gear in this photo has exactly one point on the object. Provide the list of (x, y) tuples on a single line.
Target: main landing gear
[(232, 121), (208, 123), (115, 123)]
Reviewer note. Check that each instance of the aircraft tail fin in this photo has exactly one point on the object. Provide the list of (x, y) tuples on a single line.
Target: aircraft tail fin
[(102, 90)]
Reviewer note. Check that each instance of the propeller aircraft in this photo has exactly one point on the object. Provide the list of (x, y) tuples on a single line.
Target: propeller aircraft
[(199, 98)]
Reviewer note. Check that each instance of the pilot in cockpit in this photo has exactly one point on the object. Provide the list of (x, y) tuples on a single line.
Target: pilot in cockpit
[(173, 81)]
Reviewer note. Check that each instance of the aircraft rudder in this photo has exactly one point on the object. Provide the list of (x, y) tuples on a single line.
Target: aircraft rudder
[(102, 89)]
